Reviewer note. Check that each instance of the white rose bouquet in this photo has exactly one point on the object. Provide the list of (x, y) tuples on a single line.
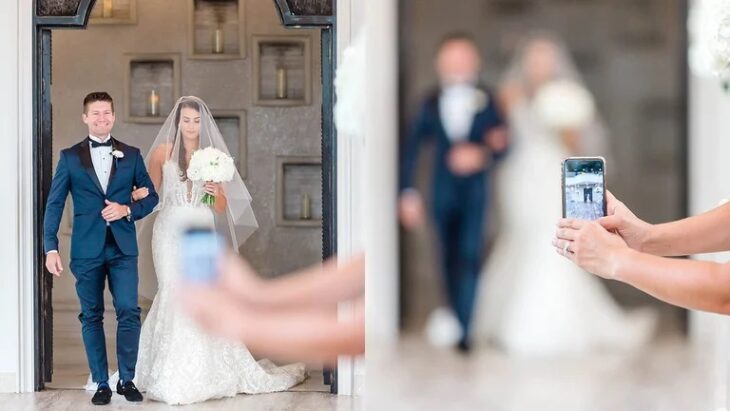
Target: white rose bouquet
[(564, 104), (211, 165)]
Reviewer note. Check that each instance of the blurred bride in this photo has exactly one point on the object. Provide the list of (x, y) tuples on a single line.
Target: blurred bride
[(532, 301)]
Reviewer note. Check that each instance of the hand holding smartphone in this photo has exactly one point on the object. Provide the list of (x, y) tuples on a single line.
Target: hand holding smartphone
[(201, 251), (584, 188)]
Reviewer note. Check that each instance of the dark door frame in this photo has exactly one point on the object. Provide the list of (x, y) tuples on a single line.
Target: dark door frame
[(74, 14)]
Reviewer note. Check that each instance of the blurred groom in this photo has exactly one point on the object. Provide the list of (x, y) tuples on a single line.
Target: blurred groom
[(462, 119)]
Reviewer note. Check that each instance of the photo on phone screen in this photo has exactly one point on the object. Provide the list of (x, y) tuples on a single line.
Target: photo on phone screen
[(201, 250), (584, 188)]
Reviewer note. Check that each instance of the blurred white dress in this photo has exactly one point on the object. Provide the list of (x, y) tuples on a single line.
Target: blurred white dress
[(533, 301), (178, 362)]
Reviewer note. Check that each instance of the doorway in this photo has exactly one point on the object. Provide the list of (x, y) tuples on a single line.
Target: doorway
[(169, 45)]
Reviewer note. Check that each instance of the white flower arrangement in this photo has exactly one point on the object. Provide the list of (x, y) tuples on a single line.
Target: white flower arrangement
[(564, 105), (211, 165), (117, 154), (709, 29), (350, 85)]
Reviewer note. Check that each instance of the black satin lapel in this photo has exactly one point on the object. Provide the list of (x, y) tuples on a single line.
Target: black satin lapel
[(85, 156), (115, 146)]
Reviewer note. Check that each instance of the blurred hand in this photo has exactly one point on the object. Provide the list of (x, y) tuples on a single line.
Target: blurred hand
[(238, 277), (53, 264), (497, 139), (140, 193), (465, 159), (623, 222), (589, 246), (411, 210)]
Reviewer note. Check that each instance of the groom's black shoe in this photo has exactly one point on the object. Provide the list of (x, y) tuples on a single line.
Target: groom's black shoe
[(464, 347), (129, 391), (102, 396)]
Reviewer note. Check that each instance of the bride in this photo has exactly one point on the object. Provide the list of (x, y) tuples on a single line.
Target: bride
[(178, 363), (532, 301)]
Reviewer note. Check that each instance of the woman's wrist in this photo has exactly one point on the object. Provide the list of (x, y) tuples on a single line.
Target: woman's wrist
[(650, 241), (621, 261)]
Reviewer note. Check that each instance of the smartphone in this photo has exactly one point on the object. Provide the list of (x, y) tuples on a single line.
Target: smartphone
[(584, 188), (201, 252)]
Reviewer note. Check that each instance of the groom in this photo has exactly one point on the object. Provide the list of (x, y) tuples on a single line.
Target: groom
[(465, 125), (100, 173)]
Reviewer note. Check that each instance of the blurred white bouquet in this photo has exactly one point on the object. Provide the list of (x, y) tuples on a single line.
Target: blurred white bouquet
[(564, 104), (709, 30), (350, 84), (211, 165)]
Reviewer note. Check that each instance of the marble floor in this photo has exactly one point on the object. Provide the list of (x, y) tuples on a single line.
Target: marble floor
[(70, 369), (667, 376), (78, 400), (66, 392)]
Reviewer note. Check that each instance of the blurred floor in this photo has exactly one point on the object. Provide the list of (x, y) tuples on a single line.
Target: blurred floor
[(666, 376), (77, 400)]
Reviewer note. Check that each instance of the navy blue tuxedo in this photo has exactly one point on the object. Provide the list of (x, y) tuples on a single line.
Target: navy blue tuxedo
[(458, 202), (100, 251)]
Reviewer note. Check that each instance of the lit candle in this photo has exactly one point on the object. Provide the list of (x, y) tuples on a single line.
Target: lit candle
[(154, 103), (281, 86), (306, 212), (106, 11), (218, 46)]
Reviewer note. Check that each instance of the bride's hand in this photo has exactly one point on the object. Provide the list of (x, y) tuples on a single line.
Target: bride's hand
[(213, 189), (140, 193)]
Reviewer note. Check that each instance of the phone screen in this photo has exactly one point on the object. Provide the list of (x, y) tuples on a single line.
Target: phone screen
[(201, 251), (584, 188)]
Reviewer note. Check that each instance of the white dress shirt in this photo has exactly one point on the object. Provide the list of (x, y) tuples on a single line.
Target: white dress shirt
[(457, 108), (102, 159)]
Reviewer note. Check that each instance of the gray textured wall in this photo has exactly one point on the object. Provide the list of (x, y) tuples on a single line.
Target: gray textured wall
[(630, 54), (92, 59)]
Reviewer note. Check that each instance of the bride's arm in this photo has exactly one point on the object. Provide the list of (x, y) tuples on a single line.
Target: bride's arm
[(221, 201), (322, 285), (155, 170)]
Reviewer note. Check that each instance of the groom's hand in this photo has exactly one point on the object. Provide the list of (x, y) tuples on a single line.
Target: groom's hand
[(113, 211), (53, 264)]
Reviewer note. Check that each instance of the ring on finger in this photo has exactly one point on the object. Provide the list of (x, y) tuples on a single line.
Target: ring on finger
[(566, 248)]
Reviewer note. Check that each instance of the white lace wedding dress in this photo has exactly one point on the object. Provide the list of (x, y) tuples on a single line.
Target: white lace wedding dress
[(179, 363), (533, 301)]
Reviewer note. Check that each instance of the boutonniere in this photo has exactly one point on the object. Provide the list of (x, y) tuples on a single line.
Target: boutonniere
[(117, 154), (481, 100)]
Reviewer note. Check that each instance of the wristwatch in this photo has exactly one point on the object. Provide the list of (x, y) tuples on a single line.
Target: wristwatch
[(129, 214)]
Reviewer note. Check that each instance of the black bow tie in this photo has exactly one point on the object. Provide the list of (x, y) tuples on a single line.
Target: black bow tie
[(95, 144)]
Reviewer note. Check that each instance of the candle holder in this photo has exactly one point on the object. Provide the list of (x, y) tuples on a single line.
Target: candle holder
[(154, 104), (298, 187), (218, 44), (112, 12), (107, 10), (282, 70), (152, 85), (281, 83), (306, 211), (216, 29), (218, 36)]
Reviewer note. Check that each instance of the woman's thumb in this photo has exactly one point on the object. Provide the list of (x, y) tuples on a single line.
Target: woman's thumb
[(611, 222)]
